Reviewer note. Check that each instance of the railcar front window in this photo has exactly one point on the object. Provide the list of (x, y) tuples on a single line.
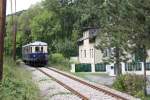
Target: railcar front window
[(37, 49)]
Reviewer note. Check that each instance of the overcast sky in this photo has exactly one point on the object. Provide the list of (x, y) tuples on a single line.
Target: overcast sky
[(21, 4)]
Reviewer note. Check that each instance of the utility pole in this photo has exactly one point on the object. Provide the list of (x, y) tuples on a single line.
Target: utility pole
[(2, 31), (12, 19), (14, 34)]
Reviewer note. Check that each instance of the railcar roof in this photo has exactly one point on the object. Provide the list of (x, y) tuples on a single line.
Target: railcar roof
[(36, 43)]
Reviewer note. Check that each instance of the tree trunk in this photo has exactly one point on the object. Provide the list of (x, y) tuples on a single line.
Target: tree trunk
[(2, 31), (144, 61), (117, 65)]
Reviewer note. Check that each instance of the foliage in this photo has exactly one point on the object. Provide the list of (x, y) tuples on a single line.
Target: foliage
[(130, 83), (47, 21), (60, 24), (59, 61), (57, 58), (17, 84)]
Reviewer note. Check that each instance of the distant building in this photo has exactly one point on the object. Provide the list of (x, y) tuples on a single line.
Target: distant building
[(88, 54), (87, 51)]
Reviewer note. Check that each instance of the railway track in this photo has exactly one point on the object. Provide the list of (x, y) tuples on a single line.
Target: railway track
[(65, 86), (82, 89)]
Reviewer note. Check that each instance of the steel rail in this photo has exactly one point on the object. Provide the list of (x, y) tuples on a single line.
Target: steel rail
[(92, 86), (65, 86)]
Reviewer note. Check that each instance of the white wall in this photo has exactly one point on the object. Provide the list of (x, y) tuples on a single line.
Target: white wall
[(110, 71), (88, 58), (98, 56), (148, 58)]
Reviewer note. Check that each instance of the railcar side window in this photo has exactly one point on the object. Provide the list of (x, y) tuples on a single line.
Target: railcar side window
[(37, 49), (41, 49), (31, 49)]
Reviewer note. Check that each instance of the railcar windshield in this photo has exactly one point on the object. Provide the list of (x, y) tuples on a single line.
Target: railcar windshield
[(37, 49)]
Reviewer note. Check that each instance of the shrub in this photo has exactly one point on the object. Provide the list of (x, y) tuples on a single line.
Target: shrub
[(57, 58), (131, 84), (60, 61)]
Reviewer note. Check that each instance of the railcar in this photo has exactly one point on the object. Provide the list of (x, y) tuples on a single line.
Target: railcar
[(35, 54)]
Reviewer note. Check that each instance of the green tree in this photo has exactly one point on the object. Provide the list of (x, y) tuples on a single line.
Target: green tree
[(114, 34)]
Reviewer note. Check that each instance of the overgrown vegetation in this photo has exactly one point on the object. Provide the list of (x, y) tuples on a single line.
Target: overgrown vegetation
[(17, 84), (57, 60), (131, 84)]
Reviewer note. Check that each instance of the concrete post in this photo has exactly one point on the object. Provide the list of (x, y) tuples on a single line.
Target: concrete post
[(123, 68), (93, 67), (142, 68), (72, 68)]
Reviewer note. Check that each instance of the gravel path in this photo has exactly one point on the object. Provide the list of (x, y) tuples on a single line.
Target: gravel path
[(89, 92), (50, 90)]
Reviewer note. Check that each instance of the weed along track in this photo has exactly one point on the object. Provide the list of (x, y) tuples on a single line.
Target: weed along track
[(83, 89)]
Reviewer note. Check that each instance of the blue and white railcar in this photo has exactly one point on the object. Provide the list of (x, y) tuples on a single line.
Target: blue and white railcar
[(35, 53)]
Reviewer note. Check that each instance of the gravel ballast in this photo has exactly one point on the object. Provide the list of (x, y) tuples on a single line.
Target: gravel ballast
[(50, 90), (85, 90)]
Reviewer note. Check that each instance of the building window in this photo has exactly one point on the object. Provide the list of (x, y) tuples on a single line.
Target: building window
[(100, 67), (85, 53), (128, 67), (147, 66), (133, 67), (105, 53), (92, 53), (81, 54), (138, 66)]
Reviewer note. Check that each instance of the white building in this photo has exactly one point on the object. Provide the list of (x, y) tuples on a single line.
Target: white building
[(88, 54), (87, 51)]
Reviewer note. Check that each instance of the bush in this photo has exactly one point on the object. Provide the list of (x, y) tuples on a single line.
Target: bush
[(57, 58), (60, 61), (131, 84)]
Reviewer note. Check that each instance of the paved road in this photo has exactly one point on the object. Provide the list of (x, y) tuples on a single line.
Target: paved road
[(106, 80)]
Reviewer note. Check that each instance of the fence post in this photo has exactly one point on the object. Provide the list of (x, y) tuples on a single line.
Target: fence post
[(123, 67), (142, 68), (73, 68), (93, 67)]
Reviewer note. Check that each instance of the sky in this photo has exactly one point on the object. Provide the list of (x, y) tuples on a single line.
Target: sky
[(21, 5)]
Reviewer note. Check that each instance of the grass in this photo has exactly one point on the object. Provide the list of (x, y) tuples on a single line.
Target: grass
[(84, 74), (17, 83), (63, 67), (58, 61), (147, 97)]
